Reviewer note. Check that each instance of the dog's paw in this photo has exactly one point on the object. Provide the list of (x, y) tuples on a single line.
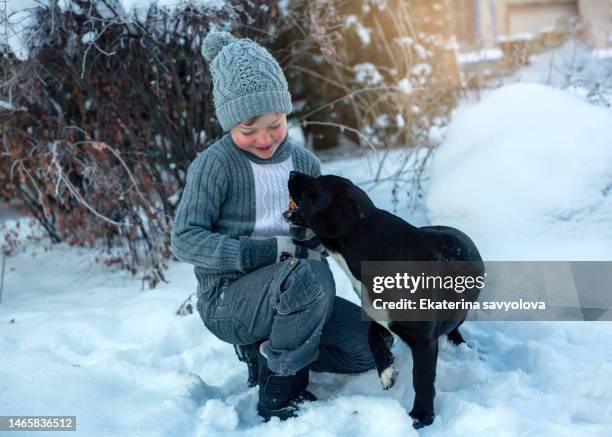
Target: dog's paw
[(388, 377), (420, 420)]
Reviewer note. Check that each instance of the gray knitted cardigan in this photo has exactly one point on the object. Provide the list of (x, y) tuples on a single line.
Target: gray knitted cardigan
[(216, 214)]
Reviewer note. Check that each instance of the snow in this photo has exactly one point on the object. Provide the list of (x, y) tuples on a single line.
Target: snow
[(7, 106), (525, 36), (399, 120), (603, 53), (89, 344), (21, 16), (403, 40), (19, 19), (484, 55), (362, 32), (283, 6), (527, 172), (546, 157), (143, 5), (573, 67), (405, 86), (422, 52), (422, 69), (367, 73), (88, 37)]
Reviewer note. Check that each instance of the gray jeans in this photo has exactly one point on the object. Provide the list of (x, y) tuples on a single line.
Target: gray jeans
[(294, 305)]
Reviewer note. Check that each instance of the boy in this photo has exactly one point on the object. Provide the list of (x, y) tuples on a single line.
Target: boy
[(259, 288)]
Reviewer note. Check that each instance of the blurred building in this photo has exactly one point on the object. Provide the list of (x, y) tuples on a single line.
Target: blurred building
[(482, 24)]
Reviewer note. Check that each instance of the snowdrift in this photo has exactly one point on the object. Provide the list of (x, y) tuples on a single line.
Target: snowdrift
[(527, 173)]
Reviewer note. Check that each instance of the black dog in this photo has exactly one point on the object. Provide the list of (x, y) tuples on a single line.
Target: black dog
[(353, 230)]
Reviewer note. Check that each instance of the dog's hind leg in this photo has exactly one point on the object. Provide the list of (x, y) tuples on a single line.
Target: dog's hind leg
[(455, 337), (381, 340), (425, 358)]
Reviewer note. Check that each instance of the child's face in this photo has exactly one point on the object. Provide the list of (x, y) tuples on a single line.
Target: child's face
[(263, 136)]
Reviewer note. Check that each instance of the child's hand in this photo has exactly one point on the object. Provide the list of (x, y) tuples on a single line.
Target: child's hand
[(306, 237), (287, 248)]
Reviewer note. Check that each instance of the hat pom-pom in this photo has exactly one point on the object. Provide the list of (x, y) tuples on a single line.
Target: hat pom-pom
[(214, 42)]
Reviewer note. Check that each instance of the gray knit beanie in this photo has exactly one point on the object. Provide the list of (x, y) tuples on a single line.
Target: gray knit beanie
[(247, 80)]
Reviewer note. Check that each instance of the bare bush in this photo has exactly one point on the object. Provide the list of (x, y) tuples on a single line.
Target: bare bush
[(379, 72), (104, 118)]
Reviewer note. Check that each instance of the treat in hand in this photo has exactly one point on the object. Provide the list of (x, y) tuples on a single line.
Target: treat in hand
[(293, 215)]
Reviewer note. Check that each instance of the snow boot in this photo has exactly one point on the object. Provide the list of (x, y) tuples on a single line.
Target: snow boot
[(281, 396), (249, 354)]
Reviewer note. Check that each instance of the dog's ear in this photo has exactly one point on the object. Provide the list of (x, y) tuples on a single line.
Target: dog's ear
[(337, 219)]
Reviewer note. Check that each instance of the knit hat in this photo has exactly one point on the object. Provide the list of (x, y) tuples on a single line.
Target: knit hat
[(247, 80)]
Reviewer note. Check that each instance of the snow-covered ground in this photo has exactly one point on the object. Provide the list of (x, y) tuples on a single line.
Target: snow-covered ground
[(527, 172)]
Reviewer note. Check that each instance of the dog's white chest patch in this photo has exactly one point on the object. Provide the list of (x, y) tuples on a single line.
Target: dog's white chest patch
[(344, 266), (357, 288)]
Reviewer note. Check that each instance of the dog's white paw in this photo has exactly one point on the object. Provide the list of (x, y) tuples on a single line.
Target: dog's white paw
[(388, 377)]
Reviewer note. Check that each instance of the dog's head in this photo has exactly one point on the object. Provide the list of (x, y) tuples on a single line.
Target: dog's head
[(329, 205)]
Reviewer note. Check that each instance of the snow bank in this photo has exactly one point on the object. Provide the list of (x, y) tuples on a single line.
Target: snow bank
[(527, 172)]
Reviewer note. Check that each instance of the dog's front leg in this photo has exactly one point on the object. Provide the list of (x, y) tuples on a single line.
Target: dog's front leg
[(380, 341), (425, 358)]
